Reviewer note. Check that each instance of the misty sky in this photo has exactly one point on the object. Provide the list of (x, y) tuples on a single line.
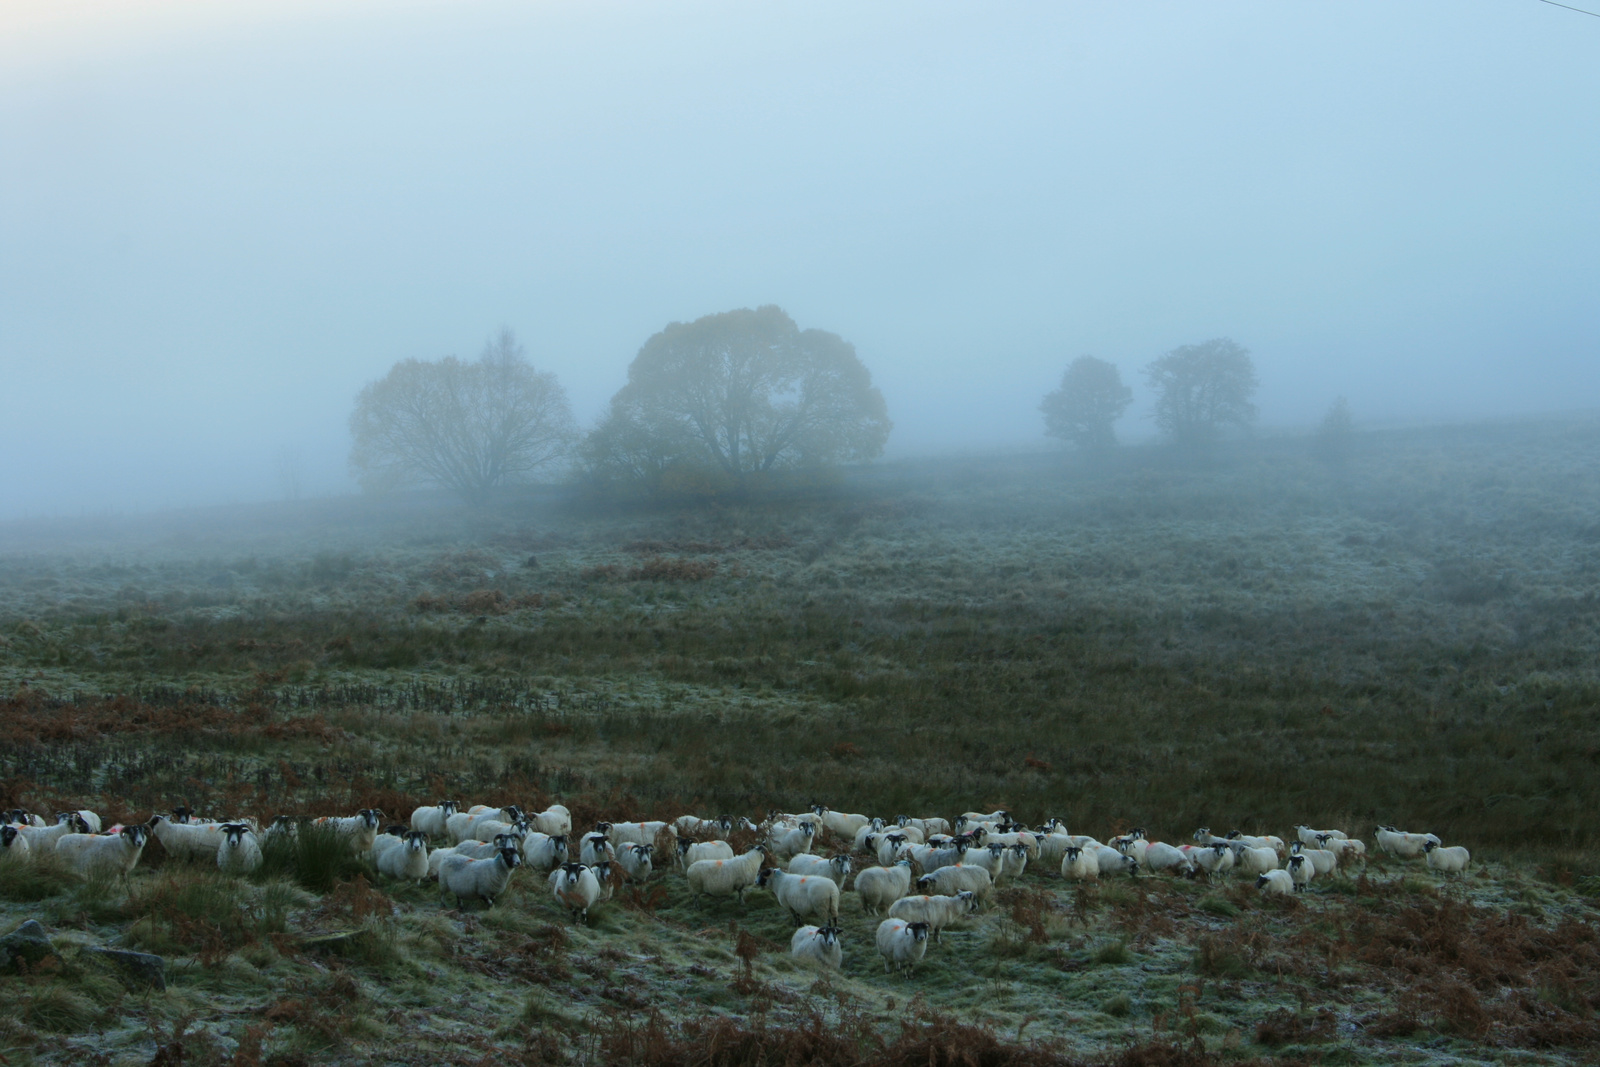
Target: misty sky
[(219, 220)]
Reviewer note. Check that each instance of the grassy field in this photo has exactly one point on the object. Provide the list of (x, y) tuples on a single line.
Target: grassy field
[(1256, 639)]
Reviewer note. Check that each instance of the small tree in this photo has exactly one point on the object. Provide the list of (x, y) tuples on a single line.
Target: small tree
[(1087, 405), (467, 427), (1201, 388), (737, 394)]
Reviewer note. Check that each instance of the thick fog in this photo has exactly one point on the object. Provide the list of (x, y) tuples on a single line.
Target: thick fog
[(218, 221)]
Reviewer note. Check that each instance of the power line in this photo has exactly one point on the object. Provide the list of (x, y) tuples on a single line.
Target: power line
[(1569, 7)]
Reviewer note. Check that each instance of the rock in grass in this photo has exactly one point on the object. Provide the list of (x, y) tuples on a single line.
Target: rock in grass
[(28, 943), (138, 970)]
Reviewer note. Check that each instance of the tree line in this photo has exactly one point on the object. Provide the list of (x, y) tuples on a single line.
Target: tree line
[(719, 403)]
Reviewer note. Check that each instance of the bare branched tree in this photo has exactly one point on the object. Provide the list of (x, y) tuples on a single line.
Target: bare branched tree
[(469, 427)]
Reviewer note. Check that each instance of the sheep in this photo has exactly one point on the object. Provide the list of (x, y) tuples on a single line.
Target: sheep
[(841, 823), (858, 842), (509, 813), (89, 819), (13, 846), (1026, 838), (1265, 841), (788, 843), (608, 875), (431, 819), (472, 850), (1254, 860), (991, 859), (929, 826), (1275, 882), (1308, 837), (879, 887), (1301, 872), (692, 852), (955, 879), (594, 848), (1111, 861), (685, 825), (22, 817), (239, 851), (818, 945), (469, 879), (1205, 837), (45, 837), (902, 945), (930, 858), (1452, 860), (890, 847), (116, 853), (1080, 866), (638, 833), (1348, 850), (969, 819), (1157, 856), (635, 861), (187, 841), (489, 829), (578, 887), (1401, 844), (1016, 861), (556, 821), (1215, 858), (1323, 861), (407, 861), (285, 826), (544, 852), (1053, 848), (802, 895), (937, 911), (459, 826), (361, 828), (723, 878), (837, 869)]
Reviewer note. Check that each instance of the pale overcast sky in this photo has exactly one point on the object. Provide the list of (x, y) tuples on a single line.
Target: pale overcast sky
[(218, 221)]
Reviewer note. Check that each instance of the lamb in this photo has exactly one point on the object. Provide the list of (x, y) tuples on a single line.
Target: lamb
[(361, 828), (1452, 860), (544, 852), (635, 861), (239, 852), (1301, 872), (818, 945), (406, 861), (803, 896), (92, 854), (692, 852), (556, 821), (836, 869), (199, 841), (595, 847), (1275, 883), (880, 887), (431, 819), (1080, 866), (902, 945), (13, 846), (1308, 836), (724, 878), (1323, 861), (470, 879), (1405, 846), (578, 887), (1254, 860), (937, 911), (788, 843), (955, 879)]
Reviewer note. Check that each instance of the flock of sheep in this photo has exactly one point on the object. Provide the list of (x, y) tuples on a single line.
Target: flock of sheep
[(924, 873)]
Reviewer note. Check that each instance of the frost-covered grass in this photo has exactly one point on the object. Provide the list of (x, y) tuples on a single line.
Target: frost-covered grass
[(1252, 641)]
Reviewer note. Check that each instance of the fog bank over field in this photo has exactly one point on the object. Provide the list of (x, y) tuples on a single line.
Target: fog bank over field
[(218, 222)]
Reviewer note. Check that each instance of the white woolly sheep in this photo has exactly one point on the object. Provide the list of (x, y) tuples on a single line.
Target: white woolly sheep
[(594, 848), (692, 852), (1308, 837), (635, 862), (543, 852), (556, 821), (879, 887), (1405, 846), (1158, 856), (1452, 860), (360, 829), (858, 842), (578, 887), (45, 837), (1112, 861), (89, 819), (1254, 860), (817, 944), (13, 846), (890, 847), (406, 861), (1205, 837), (104, 853), (1026, 838), (837, 868), (485, 829), (956, 879), (785, 844), (1264, 841), (929, 826), (22, 817), (431, 819), (469, 879), (638, 833), (239, 852), (1275, 883), (193, 841), (1078, 865), (842, 823), (1053, 849), (1214, 859), (931, 857), (458, 827), (937, 911), (902, 945), (724, 878), (968, 819), (1301, 872), (1323, 861), (802, 895)]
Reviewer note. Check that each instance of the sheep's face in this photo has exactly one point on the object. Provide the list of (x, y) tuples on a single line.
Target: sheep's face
[(819, 810), (764, 877), (1261, 881), (829, 935), (644, 852), (8, 834), (137, 835), (925, 883), (919, 931), (182, 814), (1073, 852), (1296, 862), (1218, 850), (969, 900), (1234, 835), (449, 807), (1296, 847), (808, 828), (1202, 833), (1323, 839), (234, 833), (370, 817), (1429, 846), (416, 841), (511, 858)]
